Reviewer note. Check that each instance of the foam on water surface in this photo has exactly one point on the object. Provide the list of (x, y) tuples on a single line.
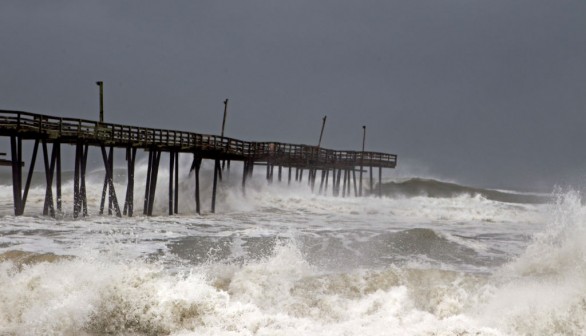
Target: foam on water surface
[(283, 261)]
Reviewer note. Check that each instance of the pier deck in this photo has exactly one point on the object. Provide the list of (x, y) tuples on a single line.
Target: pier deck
[(44, 129)]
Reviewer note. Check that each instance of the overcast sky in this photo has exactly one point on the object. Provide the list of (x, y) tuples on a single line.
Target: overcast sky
[(483, 92)]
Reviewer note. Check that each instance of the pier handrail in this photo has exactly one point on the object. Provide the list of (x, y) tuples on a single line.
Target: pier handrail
[(71, 130)]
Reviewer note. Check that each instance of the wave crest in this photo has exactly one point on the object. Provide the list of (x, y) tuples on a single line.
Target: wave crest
[(433, 188)]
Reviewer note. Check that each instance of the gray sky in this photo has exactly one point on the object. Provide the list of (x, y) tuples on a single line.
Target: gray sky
[(484, 92)]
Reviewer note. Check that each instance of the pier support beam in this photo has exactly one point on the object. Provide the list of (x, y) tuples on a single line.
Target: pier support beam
[(195, 166), (354, 180), (79, 188), (129, 199), (246, 173), (171, 182), (59, 202), (16, 151), (151, 184), (217, 171), (380, 181), (29, 176), (48, 207), (108, 159), (371, 181), (321, 183)]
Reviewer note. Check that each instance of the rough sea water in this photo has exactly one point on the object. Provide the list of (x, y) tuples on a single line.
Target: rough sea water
[(430, 258)]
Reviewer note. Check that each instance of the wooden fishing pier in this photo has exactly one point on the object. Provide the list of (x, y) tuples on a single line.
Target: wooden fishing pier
[(46, 130)]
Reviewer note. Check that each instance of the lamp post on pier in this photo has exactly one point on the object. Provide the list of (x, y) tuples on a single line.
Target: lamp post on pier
[(362, 156), (323, 124), (101, 85)]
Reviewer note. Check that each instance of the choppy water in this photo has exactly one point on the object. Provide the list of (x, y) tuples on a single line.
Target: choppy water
[(282, 261)]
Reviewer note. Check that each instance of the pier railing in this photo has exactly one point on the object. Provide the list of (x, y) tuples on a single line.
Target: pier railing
[(73, 130)]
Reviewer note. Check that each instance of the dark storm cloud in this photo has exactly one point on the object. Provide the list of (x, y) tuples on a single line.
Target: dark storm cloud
[(483, 92)]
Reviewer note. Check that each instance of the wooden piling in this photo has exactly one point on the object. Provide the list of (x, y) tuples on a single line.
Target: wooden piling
[(148, 182), (176, 205), (215, 185), (76, 177), (129, 199), (83, 191), (244, 176), (153, 183), (29, 176), (171, 181), (57, 146), (16, 152), (321, 182), (371, 181), (48, 207), (354, 180), (108, 159), (196, 165), (380, 182)]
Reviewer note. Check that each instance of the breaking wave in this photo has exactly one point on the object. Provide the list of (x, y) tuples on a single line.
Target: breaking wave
[(433, 188), (283, 292)]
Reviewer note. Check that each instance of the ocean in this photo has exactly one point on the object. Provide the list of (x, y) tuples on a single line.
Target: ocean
[(429, 258)]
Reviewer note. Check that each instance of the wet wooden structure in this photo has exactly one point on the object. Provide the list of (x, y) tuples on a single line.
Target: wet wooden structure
[(339, 167)]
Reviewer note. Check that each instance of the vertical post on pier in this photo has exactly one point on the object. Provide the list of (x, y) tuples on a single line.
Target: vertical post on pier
[(129, 199), (176, 206), (333, 181), (362, 157), (153, 182), (105, 187), (110, 178), (280, 172), (321, 183), (16, 149), (57, 146), (344, 183), (224, 119), (48, 208), (354, 180), (147, 189), (371, 181), (195, 167), (244, 175), (321, 133), (348, 182), (339, 176), (223, 127), (380, 181), (82, 191), (79, 189), (101, 85), (215, 185), (77, 166), (30, 175), (171, 184), (326, 184), (109, 183), (313, 174)]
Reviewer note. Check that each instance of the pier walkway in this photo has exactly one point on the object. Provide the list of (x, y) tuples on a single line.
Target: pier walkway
[(44, 130)]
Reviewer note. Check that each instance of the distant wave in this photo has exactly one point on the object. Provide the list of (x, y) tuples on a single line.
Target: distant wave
[(433, 188)]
